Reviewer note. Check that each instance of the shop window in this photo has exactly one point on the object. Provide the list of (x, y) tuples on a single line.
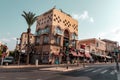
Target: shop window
[(73, 44), (97, 44), (58, 31), (37, 40), (74, 36), (57, 40)]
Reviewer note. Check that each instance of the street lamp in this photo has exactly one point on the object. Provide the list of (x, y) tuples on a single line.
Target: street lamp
[(67, 53), (18, 49), (116, 58), (82, 49)]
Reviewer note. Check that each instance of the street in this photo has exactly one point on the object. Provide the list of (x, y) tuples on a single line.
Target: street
[(93, 72)]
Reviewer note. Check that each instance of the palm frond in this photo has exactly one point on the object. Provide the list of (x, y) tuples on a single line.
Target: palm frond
[(30, 18)]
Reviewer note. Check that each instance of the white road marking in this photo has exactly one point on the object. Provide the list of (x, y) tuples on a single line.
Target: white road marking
[(104, 71), (89, 69), (118, 76), (112, 73), (96, 70), (21, 78), (38, 79)]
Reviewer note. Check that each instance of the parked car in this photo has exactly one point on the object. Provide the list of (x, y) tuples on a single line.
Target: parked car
[(8, 60)]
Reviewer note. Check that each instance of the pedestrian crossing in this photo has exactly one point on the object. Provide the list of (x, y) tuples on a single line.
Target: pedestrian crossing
[(100, 70)]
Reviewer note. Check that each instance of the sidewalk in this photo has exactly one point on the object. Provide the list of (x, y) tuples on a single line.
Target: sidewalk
[(24, 66), (61, 67)]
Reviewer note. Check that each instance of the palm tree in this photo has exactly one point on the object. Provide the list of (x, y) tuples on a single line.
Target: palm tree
[(30, 19)]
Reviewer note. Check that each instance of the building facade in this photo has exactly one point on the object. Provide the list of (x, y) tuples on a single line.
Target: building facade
[(95, 47), (110, 45), (23, 42), (112, 48), (54, 30)]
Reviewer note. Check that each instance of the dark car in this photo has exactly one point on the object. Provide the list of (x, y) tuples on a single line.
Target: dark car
[(8, 60)]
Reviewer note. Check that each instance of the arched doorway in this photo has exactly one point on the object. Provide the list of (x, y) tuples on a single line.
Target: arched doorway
[(65, 45), (66, 38)]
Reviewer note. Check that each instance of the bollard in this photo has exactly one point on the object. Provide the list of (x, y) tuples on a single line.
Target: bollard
[(36, 62)]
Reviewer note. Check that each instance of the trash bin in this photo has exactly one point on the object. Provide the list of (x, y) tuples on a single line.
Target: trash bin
[(36, 62)]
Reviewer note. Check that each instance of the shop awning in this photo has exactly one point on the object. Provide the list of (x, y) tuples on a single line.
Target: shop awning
[(108, 57), (87, 55), (80, 55), (102, 55), (74, 53), (95, 54)]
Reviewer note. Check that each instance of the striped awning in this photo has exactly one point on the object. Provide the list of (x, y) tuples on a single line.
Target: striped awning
[(108, 57), (80, 55), (87, 55), (74, 53)]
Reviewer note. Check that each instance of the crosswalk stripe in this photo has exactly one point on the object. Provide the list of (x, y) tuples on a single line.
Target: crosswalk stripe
[(112, 73), (96, 70), (104, 71), (89, 69)]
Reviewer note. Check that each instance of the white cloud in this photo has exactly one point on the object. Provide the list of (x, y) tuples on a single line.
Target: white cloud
[(113, 34), (83, 16), (8, 33), (10, 42), (14, 38), (91, 20), (5, 40)]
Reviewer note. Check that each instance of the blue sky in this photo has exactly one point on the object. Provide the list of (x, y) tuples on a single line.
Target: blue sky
[(97, 18)]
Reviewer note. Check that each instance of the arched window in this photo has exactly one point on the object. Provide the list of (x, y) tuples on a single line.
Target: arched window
[(57, 40), (74, 36), (37, 40), (46, 40), (46, 30), (58, 31)]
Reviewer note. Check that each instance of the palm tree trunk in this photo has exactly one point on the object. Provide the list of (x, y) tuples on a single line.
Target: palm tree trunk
[(28, 45)]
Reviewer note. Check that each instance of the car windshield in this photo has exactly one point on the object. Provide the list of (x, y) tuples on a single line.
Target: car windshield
[(8, 58)]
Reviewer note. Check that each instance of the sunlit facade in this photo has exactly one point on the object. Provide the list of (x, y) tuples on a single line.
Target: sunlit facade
[(54, 30)]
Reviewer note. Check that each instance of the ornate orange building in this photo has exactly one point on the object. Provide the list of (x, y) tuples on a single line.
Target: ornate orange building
[(54, 30)]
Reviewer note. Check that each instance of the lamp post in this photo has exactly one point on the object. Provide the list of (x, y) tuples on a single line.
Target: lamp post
[(18, 50), (116, 59), (67, 53), (77, 57), (82, 47)]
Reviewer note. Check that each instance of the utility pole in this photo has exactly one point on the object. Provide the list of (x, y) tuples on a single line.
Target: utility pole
[(67, 53)]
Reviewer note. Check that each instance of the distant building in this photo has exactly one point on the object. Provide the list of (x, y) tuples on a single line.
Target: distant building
[(110, 45), (23, 41), (54, 30), (95, 47)]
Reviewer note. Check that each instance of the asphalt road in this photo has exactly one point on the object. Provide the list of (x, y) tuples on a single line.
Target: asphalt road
[(95, 72)]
